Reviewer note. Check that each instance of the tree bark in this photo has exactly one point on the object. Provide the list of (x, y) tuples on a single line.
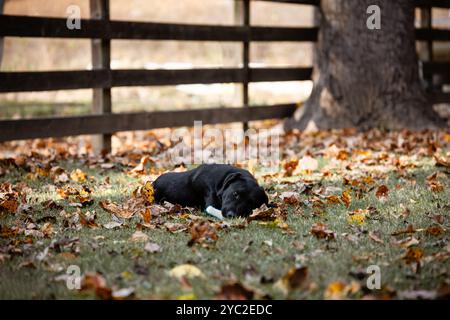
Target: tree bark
[(366, 78)]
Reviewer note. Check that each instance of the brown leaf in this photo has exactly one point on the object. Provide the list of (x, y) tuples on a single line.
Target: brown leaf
[(375, 236), (140, 168), (333, 199), (293, 279), (146, 216), (413, 255), (118, 211), (9, 206), (263, 214), (289, 166), (235, 291), (409, 230), (289, 197), (78, 176), (346, 198), (88, 219), (442, 161), (96, 283), (175, 227), (435, 230), (382, 191), (202, 232), (335, 290), (320, 231), (47, 229), (433, 184)]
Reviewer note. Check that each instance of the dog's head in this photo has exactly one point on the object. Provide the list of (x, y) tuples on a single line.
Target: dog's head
[(240, 195)]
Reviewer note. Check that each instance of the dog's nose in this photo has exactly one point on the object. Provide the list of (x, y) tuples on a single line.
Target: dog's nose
[(230, 214)]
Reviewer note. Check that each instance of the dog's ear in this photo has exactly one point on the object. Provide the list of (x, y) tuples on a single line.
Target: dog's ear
[(228, 180)]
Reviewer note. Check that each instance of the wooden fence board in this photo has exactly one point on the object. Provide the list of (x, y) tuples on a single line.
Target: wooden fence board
[(110, 123), (21, 26), (67, 80)]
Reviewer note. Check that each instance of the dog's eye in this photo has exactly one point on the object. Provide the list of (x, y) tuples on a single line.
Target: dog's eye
[(236, 195)]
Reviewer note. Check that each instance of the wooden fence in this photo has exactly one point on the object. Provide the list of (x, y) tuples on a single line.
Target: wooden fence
[(101, 30)]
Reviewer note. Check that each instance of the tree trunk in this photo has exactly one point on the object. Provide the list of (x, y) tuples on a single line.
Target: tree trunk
[(366, 78)]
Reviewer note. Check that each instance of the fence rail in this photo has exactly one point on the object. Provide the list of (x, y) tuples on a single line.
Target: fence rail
[(101, 30), (65, 80), (115, 122)]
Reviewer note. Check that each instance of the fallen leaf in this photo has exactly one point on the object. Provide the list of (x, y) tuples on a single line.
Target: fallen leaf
[(320, 231), (433, 184), (442, 161), (88, 219), (202, 232), (408, 242), (294, 279), (112, 225), (152, 247), (435, 230), (358, 216), (186, 270), (413, 255), (306, 164), (96, 282), (289, 197), (140, 168), (418, 295), (289, 166), (382, 192), (235, 291), (146, 215), (346, 198), (78, 176), (263, 214), (119, 211), (148, 192), (47, 229), (139, 236), (175, 227), (409, 230), (335, 291), (123, 293), (375, 236), (333, 199)]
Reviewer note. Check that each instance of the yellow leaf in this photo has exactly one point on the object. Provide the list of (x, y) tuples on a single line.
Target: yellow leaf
[(187, 296), (186, 270), (148, 192), (358, 216), (335, 291), (346, 198), (78, 176)]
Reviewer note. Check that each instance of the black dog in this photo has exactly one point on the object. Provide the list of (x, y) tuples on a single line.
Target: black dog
[(232, 190)]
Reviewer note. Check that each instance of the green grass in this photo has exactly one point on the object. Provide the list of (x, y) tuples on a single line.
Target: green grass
[(127, 264)]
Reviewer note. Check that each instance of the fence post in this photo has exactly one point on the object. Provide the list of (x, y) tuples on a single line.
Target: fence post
[(101, 59), (2, 3), (242, 17), (425, 48)]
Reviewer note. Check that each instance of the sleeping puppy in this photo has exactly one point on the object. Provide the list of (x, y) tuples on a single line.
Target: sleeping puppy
[(232, 190)]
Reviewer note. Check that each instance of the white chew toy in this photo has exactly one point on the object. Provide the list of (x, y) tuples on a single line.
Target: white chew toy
[(214, 212)]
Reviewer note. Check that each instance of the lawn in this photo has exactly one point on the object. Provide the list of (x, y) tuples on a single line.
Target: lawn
[(345, 201)]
